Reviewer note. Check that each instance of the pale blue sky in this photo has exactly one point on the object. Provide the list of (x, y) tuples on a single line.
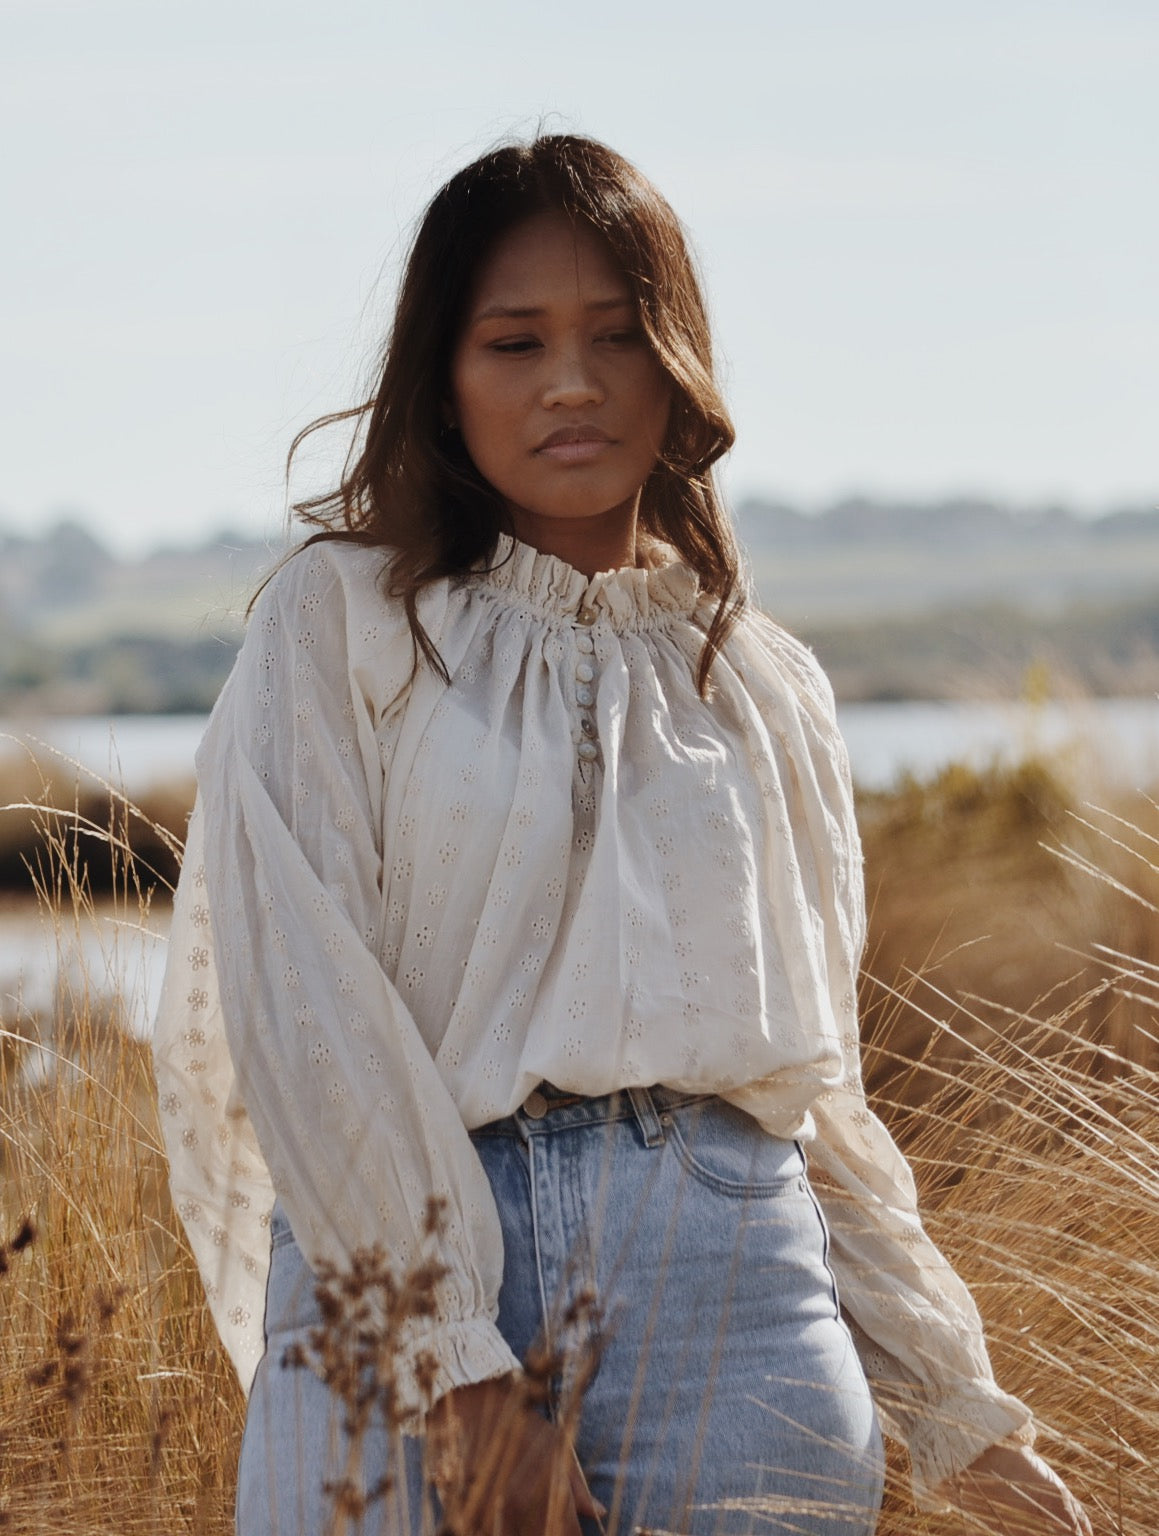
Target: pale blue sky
[(930, 231)]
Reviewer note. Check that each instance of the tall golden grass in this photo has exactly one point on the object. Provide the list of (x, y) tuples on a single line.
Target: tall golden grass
[(1011, 1022), (119, 1412)]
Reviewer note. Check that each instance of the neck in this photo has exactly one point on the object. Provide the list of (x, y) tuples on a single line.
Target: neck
[(603, 542)]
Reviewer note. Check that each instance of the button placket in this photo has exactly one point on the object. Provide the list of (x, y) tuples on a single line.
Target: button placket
[(586, 676)]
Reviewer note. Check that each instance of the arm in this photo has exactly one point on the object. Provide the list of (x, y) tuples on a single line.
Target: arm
[(218, 1179), (917, 1327), (349, 1110)]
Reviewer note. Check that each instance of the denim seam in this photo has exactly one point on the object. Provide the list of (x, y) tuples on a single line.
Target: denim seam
[(532, 1172), (825, 1234)]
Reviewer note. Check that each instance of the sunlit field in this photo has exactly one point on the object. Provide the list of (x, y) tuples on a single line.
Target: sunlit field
[(1011, 1029)]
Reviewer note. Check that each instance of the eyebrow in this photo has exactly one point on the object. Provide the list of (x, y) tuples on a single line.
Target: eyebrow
[(533, 311)]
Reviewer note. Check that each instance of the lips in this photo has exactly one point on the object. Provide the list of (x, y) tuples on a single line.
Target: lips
[(574, 445)]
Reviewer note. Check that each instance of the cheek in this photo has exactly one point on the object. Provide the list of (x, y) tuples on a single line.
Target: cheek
[(658, 394), (653, 390), (663, 416), (468, 396), (481, 414), (492, 442)]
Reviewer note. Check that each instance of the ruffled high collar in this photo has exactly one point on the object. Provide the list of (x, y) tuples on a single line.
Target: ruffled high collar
[(633, 597)]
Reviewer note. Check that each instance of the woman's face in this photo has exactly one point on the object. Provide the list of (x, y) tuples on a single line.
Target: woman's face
[(560, 400)]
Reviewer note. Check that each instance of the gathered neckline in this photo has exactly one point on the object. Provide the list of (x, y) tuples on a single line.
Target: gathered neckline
[(662, 588)]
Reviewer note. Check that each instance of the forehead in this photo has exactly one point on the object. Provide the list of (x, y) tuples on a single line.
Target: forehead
[(548, 258)]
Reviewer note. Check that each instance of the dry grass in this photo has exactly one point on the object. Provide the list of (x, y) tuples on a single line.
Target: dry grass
[(1012, 1018), (1011, 1022), (150, 828), (118, 1411)]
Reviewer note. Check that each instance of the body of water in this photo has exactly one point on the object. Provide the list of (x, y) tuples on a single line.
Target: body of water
[(1115, 741), (134, 752), (42, 959)]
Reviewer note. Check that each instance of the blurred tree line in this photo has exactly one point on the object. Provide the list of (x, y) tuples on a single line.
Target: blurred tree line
[(952, 600)]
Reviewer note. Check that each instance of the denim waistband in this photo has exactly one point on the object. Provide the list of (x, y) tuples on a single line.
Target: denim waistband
[(548, 1109)]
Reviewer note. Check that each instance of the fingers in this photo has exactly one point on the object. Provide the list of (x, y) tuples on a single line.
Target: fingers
[(553, 1506), (1013, 1492), (561, 1517), (503, 1470), (1017, 1510), (1082, 1522), (1069, 1513), (585, 1503)]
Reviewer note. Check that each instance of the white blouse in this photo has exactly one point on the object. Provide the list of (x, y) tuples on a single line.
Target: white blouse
[(404, 904)]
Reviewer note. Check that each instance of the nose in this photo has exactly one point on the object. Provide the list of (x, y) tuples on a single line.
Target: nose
[(573, 380)]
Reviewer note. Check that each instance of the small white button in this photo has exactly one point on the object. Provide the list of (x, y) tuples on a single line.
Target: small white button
[(586, 616), (584, 696), (588, 750), (535, 1105), (585, 643), (585, 671)]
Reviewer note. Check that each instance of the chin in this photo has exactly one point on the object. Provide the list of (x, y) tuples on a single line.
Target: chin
[(583, 507)]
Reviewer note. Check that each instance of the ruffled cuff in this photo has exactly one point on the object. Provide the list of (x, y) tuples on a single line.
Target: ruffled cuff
[(945, 1436), (955, 1431), (430, 1362)]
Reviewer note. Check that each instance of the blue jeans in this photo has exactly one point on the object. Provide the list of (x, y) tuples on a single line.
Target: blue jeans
[(727, 1396)]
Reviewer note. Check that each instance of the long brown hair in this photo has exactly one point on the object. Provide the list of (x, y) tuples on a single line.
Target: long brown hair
[(408, 484)]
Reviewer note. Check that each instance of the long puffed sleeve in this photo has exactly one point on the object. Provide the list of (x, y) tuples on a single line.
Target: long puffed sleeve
[(916, 1324), (356, 1126), (218, 1178)]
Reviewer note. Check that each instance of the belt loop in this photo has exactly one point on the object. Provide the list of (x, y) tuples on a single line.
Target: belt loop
[(646, 1117)]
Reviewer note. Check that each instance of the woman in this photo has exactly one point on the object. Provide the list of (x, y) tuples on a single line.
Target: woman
[(525, 880)]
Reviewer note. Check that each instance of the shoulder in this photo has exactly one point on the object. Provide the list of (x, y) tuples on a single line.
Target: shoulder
[(768, 652), (788, 687), (331, 572), (339, 588), (327, 611)]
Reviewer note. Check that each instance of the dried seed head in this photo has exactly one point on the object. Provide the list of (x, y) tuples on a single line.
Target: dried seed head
[(157, 1442), (76, 1380), (435, 1218), (108, 1302), (25, 1236), (68, 1340), (426, 1370)]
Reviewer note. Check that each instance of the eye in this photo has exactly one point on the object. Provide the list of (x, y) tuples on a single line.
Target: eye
[(624, 336), (515, 345)]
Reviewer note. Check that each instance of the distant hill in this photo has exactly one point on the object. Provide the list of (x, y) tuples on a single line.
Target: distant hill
[(67, 586), (952, 598), (83, 631), (862, 559), (964, 599)]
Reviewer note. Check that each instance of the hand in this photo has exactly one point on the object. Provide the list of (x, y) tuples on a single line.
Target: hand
[(501, 1469), (1010, 1491)]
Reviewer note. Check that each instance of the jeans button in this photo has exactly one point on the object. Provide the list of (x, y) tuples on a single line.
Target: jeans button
[(535, 1105)]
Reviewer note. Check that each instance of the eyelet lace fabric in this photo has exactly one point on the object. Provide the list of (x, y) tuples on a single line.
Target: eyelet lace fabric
[(404, 904)]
